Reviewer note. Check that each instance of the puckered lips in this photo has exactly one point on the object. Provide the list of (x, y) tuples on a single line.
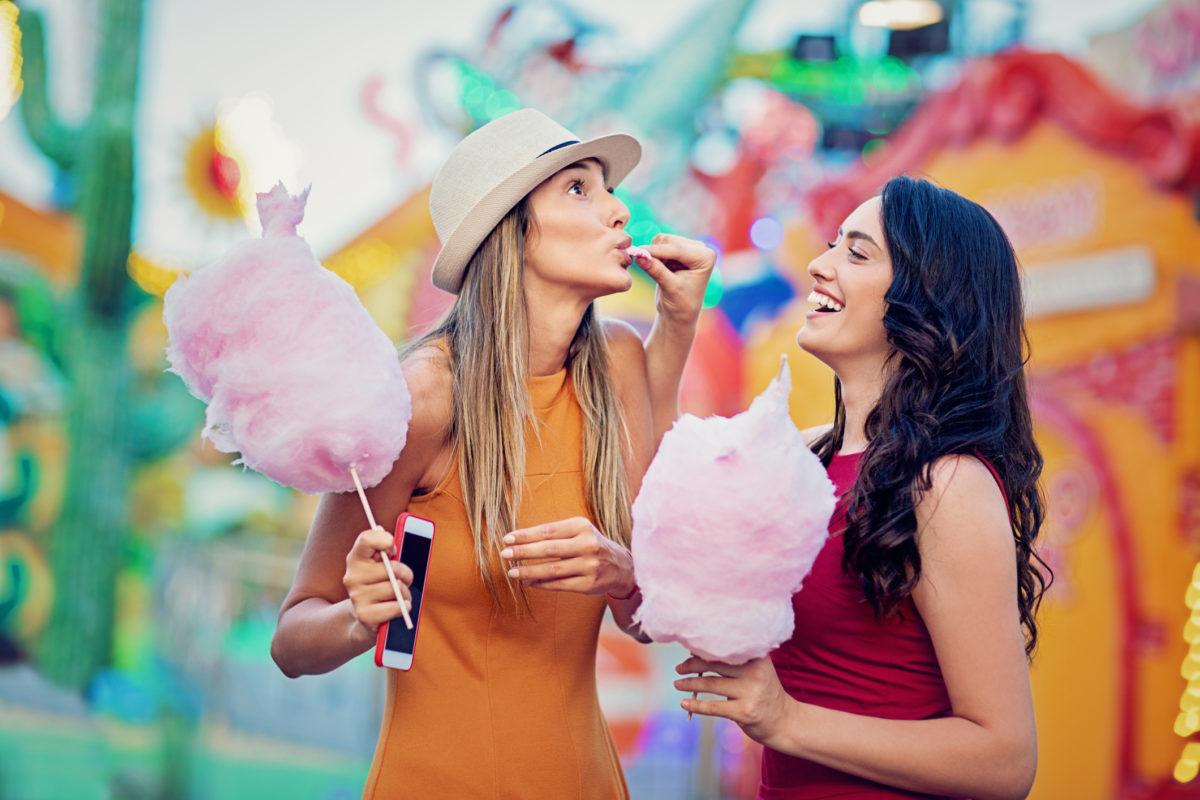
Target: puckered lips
[(623, 247)]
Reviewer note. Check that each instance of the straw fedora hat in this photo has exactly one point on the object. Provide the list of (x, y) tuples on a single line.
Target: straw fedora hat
[(495, 166)]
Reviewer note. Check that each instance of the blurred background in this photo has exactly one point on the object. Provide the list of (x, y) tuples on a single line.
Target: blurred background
[(140, 574)]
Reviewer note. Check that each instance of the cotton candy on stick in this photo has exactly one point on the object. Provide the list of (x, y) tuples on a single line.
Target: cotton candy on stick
[(298, 377), (731, 515)]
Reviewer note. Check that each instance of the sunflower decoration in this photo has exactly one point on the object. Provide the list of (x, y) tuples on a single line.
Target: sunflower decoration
[(215, 174), (10, 57), (242, 151), (214, 177)]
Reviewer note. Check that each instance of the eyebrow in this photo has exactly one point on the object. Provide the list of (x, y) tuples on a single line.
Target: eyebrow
[(858, 235), (583, 166)]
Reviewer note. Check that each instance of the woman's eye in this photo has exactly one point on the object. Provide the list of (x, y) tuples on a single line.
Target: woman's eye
[(855, 254), (576, 187)]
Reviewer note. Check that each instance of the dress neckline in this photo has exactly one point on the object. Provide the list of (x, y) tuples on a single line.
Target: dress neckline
[(545, 389)]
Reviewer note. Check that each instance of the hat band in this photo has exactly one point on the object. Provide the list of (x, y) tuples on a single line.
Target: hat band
[(559, 146)]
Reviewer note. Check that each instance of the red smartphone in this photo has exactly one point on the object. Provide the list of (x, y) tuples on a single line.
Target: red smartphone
[(395, 643)]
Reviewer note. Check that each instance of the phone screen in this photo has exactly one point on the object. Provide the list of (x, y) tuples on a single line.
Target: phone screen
[(414, 552)]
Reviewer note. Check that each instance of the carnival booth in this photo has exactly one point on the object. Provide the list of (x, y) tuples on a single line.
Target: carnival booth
[(1097, 195)]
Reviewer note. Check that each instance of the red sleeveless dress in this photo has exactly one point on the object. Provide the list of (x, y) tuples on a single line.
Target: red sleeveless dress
[(840, 657)]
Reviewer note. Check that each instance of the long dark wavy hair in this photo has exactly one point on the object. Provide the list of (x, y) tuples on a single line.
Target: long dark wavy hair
[(955, 384)]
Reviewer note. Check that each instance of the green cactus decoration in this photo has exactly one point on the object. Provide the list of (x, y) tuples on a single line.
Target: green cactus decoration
[(86, 543)]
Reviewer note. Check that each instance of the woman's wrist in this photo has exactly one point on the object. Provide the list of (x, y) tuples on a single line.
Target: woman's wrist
[(361, 637), (679, 323), (630, 576), (787, 734), (626, 595)]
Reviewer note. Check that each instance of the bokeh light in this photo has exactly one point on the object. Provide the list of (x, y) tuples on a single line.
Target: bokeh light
[(900, 14), (766, 233), (715, 152), (10, 57)]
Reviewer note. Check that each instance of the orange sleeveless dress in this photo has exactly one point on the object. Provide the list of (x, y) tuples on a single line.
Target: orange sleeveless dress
[(500, 704)]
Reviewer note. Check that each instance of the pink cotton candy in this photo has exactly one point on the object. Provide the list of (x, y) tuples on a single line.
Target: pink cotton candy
[(638, 252), (298, 377), (731, 515)]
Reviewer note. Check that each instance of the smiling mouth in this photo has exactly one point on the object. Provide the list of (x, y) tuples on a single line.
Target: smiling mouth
[(825, 303)]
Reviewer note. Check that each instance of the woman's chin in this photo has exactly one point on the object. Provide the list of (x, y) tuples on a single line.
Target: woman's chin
[(618, 285), (812, 345), (804, 339)]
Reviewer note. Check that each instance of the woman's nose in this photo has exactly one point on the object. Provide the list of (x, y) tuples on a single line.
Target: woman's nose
[(619, 212), (820, 266)]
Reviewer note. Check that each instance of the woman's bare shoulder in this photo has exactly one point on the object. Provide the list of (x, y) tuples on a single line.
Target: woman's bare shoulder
[(963, 495), (626, 353), (430, 379), (816, 432), (620, 334)]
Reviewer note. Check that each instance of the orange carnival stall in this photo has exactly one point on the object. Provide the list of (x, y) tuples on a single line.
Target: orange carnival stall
[(1099, 197)]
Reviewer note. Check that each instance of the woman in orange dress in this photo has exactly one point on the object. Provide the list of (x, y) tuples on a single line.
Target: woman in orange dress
[(533, 422)]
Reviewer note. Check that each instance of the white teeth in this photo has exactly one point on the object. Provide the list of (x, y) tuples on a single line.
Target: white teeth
[(825, 300)]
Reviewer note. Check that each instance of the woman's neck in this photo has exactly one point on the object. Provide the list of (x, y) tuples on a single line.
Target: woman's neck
[(859, 396), (552, 328)]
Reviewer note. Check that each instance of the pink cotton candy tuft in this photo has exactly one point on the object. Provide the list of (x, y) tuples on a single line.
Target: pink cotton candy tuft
[(638, 252), (279, 212), (731, 515), (297, 375)]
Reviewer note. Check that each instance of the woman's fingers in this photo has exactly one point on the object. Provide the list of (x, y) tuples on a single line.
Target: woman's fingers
[(579, 546), (709, 684), (658, 271), (371, 585), (559, 529), (568, 538), (371, 542), (711, 708), (680, 252), (698, 664), (572, 584), (551, 570), (681, 268), (366, 578), (376, 614), (568, 555), (403, 573), (374, 601), (366, 556)]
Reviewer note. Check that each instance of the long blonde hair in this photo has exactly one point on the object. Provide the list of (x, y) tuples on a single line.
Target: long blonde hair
[(487, 334)]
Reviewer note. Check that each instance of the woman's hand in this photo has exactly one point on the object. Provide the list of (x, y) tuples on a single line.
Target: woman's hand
[(367, 583), (569, 556), (681, 267), (754, 698)]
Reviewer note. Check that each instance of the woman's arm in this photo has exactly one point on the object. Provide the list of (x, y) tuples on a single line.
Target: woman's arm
[(681, 267), (633, 387), (967, 599), (341, 594)]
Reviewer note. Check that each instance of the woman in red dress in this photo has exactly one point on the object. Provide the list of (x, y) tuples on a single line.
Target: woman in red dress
[(907, 673)]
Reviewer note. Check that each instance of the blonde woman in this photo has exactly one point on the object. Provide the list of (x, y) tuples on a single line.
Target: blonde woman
[(533, 422)]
